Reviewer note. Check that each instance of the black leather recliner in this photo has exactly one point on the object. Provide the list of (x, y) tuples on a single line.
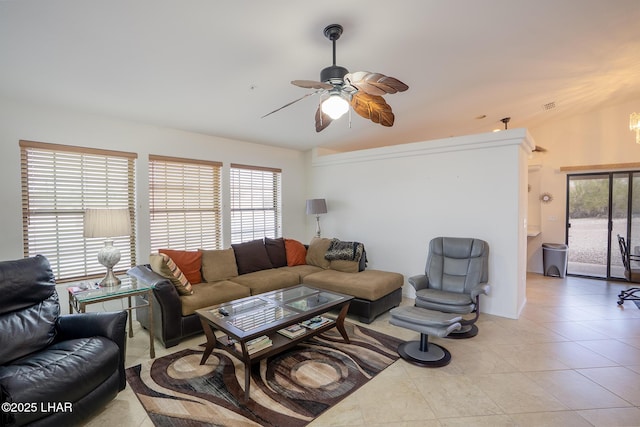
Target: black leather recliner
[(54, 369)]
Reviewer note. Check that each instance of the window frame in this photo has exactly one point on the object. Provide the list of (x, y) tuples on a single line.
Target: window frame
[(200, 196), (58, 182), (248, 201)]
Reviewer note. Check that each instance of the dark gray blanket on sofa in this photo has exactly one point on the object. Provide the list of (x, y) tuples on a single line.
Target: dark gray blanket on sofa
[(350, 251)]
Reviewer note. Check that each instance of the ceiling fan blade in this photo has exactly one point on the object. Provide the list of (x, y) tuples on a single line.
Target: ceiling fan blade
[(290, 103), (322, 120), (311, 84), (372, 107), (375, 83)]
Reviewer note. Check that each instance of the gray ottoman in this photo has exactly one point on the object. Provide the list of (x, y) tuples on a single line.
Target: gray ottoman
[(427, 322)]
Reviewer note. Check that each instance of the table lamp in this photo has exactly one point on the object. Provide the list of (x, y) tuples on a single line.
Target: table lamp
[(316, 207), (107, 223)]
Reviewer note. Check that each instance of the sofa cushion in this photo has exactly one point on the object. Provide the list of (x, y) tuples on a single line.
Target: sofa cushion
[(251, 256), (317, 249), (56, 370), (368, 285), (344, 265), (302, 270), (296, 252), (268, 280), (164, 266), (218, 264), (208, 294), (276, 251), (189, 262)]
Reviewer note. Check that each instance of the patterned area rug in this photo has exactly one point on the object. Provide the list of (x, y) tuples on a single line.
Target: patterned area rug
[(290, 389)]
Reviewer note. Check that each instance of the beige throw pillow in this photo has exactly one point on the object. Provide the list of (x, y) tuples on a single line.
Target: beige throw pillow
[(317, 249), (164, 266), (218, 264)]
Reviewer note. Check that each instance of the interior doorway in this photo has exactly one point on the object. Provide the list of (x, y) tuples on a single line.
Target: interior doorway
[(599, 207)]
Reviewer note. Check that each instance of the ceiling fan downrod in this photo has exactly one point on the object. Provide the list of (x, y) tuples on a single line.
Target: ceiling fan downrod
[(333, 33), (333, 74)]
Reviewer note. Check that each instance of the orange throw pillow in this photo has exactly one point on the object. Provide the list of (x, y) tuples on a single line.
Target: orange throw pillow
[(189, 262), (296, 252)]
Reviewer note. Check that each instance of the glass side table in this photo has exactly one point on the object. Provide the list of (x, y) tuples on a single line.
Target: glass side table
[(79, 299)]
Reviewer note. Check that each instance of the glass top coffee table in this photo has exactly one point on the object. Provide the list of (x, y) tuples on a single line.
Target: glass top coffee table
[(263, 315)]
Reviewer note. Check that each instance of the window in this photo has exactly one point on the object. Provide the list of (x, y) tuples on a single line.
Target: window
[(185, 206), (58, 183), (255, 203)]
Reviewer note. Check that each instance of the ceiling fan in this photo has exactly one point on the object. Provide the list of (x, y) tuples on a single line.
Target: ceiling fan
[(339, 89)]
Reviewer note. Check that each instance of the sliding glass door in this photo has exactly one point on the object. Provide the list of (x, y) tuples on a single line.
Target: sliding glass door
[(588, 224), (599, 207), (619, 221), (633, 235)]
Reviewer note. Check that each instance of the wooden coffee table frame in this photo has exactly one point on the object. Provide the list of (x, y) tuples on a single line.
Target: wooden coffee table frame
[(212, 321)]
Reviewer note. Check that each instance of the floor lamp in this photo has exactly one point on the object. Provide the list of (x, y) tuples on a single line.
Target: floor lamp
[(107, 223), (316, 207)]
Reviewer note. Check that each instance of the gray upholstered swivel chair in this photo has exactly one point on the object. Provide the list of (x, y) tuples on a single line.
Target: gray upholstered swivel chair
[(455, 276)]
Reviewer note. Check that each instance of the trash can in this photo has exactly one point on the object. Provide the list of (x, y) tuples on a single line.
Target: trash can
[(554, 259)]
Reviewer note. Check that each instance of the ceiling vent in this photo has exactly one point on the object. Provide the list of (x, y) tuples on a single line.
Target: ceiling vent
[(549, 106)]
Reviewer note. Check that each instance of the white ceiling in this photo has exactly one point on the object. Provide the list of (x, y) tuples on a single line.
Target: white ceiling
[(216, 67)]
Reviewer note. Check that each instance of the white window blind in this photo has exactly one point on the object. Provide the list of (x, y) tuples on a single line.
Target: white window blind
[(185, 203), (58, 183), (256, 203)]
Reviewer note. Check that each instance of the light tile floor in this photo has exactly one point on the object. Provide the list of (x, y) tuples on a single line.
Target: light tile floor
[(571, 359)]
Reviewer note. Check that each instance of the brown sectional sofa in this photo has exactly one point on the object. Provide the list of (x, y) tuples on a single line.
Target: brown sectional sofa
[(242, 271)]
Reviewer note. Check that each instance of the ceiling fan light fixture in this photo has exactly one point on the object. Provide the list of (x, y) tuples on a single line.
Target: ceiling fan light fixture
[(335, 106)]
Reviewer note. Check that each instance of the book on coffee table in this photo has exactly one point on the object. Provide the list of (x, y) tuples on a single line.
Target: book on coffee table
[(293, 331), (256, 344), (316, 322)]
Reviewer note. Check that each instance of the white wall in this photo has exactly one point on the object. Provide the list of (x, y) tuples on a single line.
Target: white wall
[(20, 121), (600, 137), (396, 199)]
